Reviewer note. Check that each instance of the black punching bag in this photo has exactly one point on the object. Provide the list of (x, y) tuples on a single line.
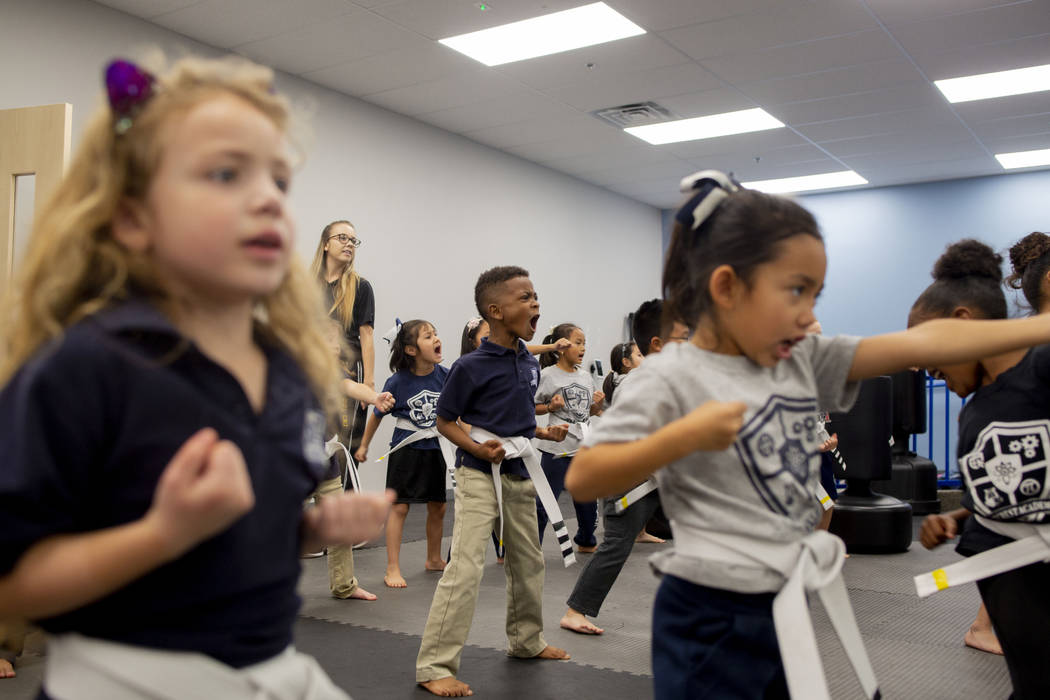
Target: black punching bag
[(869, 522), (912, 478)]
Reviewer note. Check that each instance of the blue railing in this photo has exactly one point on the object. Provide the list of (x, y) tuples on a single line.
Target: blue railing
[(938, 396)]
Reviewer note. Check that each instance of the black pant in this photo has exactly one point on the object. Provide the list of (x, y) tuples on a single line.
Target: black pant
[(1018, 602)]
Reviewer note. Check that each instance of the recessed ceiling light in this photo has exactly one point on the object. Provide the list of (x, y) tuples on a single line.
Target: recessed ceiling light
[(708, 127), (1001, 84), (824, 181), (588, 25), (1024, 159)]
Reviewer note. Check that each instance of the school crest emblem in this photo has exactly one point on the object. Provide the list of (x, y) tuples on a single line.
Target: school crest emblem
[(780, 450), (1006, 471), (577, 401), (422, 408)]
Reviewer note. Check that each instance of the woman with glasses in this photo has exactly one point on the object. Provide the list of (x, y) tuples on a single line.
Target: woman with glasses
[(350, 303)]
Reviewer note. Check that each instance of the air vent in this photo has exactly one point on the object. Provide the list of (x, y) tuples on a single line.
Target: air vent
[(638, 114)]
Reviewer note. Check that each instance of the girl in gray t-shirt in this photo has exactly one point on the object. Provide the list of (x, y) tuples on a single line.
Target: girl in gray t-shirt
[(727, 423), (566, 393)]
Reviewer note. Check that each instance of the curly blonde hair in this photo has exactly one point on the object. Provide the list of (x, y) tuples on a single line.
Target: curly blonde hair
[(96, 271)]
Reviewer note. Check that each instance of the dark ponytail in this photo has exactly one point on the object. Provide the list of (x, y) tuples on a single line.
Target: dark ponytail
[(968, 273), (562, 330), (1030, 259), (407, 336)]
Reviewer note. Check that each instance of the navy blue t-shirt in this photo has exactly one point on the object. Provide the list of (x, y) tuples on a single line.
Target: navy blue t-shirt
[(1004, 450), (493, 388), (415, 398), (91, 421)]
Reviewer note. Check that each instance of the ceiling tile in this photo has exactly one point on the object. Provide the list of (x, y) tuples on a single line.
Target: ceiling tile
[(941, 138), (749, 171), (453, 91), (1006, 127), (883, 123), (440, 19), (833, 82), (1013, 144), (916, 95), (394, 69), (612, 90), (536, 131), (887, 170), (1015, 105), (333, 42), (755, 32), (899, 11), (606, 60), (505, 110), (809, 57), (229, 23), (753, 144), (147, 8), (984, 58), (669, 14), (701, 104), (1006, 22)]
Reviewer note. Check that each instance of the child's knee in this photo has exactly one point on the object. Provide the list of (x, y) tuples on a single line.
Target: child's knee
[(399, 509), (437, 508)]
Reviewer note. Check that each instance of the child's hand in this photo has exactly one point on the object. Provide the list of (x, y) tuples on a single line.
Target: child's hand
[(202, 491), (937, 529), (347, 518), (596, 405), (490, 451), (715, 424), (361, 455), (557, 401), (562, 344), (830, 444), (554, 433), (384, 402)]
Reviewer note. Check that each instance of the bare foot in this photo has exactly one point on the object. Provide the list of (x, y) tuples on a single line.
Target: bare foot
[(448, 687), (394, 579), (6, 669), (550, 652), (575, 622), (438, 565), (499, 560), (361, 594), (983, 640), (644, 536), (590, 549)]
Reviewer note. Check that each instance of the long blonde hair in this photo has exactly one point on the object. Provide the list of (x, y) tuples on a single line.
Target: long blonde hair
[(96, 271), (346, 293)]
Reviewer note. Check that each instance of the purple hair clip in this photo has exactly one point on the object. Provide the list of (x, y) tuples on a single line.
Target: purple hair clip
[(128, 87)]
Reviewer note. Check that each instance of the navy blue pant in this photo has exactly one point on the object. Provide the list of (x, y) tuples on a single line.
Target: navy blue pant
[(711, 643), (1017, 604), (586, 513)]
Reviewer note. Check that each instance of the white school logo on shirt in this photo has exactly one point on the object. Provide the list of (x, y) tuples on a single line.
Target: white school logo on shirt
[(313, 438), (779, 447), (577, 400), (422, 408), (1006, 471)]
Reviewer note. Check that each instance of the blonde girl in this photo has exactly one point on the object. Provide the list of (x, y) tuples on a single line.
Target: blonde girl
[(162, 399)]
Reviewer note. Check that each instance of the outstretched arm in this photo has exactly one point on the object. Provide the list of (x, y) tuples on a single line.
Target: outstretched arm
[(945, 341), (614, 467)]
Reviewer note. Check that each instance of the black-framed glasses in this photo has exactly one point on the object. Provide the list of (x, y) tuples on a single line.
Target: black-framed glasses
[(344, 239)]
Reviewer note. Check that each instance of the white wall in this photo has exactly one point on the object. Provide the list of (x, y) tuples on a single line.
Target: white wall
[(434, 209)]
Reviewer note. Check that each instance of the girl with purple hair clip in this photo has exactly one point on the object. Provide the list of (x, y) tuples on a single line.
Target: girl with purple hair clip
[(179, 351)]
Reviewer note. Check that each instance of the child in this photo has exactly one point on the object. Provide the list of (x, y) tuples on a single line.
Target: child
[(745, 268), (1030, 259), (566, 393), (1004, 438), (492, 389), (622, 359), (416, 467), (161, 397)]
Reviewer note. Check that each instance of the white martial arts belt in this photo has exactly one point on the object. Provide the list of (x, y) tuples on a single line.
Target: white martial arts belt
[(1032, 545), (93, 669), (332, 447), (448, 450), (513, 448), (634, 495), (580, 431), (813, 563)]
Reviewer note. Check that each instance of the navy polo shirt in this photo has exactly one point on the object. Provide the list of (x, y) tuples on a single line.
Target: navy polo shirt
[(493, 388), (415, 399), (91, 421)]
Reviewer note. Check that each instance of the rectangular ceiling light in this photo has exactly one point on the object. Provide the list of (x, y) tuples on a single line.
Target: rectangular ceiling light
[(708, 127), (824, 181), (1001, 84), (591, 24), (1024, 159)]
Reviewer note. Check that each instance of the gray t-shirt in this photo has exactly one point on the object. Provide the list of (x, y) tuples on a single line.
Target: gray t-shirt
[(761, 487), (578, 391)]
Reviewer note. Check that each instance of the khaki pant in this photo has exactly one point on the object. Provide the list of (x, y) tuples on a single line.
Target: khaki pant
[(341, 579), (452, 611)]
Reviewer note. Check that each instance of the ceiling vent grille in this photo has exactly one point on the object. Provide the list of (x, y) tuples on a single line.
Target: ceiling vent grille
[(638, 114)]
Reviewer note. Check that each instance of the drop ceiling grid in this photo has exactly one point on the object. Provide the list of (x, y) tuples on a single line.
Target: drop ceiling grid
[(846, 72)]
